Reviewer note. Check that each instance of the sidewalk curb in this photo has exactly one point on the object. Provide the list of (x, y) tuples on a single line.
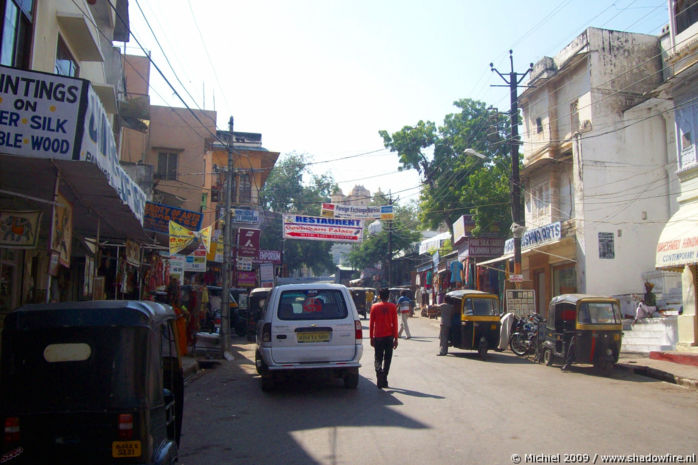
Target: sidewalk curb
[(661, 375)]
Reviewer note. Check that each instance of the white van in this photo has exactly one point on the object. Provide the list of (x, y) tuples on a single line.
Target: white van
[(312, 326)]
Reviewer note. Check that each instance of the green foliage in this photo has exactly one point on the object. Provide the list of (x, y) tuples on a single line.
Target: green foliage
[(456, 183), (285, 192)]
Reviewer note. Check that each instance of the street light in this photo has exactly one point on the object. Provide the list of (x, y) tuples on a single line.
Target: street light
[(474, 153)]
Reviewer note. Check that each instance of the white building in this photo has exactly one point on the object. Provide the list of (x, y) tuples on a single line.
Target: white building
[(598, 166)]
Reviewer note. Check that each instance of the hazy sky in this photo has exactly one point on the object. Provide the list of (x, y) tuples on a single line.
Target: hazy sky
[(322, 77)]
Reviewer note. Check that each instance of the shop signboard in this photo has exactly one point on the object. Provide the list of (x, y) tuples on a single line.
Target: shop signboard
[(157, 217), (463, 227), (521, 302), (247, 278), (322, 229), (269, 256), (248, 242), (266, 274), (536, 237)]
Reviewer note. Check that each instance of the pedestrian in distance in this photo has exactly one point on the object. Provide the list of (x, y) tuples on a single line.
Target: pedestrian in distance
[(445, 330), (403, 308), (383, 334)]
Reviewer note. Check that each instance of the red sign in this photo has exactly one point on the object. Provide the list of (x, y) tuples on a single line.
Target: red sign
[(248, 242), (247, 278)]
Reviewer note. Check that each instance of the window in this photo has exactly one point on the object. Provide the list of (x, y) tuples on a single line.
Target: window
[(539, 125), (540, 201), (606, 245), (312, 304), (167, 166), (574, 116), (245, 195), (686, 14), (15, 45), (65, 63)]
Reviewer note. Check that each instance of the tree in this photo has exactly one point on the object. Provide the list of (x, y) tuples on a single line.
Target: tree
[(285, 192), (457, 183)]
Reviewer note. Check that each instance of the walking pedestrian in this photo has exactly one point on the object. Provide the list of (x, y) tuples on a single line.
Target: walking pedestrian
[(403, 307), (383, 334), (445, 330)]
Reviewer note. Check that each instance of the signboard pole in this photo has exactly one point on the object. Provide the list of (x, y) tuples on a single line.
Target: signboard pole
[(225, 302)]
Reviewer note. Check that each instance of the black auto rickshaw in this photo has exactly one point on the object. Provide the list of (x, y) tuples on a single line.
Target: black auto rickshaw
[(91, 382), (583, 328), (475, 324), (257, 301), (363, 299)]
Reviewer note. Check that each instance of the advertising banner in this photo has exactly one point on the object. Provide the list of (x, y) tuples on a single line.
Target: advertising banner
[(19, 229), (314, 228), (335, 210), (248, 242), (462, 228), (157, 217), (184, 242)]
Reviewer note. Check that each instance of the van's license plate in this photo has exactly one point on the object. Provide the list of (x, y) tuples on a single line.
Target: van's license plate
[(316, 336), (125, 449)]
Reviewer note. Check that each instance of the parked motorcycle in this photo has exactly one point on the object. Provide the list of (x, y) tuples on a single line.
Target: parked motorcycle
[(524, 337)]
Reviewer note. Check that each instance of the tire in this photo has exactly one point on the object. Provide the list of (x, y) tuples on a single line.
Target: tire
[(518, 344), (259, 364), (351, 379), (267, 382), (604, 366), (482, 349), (548, 357)]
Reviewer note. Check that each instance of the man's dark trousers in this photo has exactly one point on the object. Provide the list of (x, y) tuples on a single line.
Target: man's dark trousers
[(384, 354)]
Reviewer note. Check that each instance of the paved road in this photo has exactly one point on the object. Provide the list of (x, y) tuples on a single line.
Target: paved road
[(438, 410)]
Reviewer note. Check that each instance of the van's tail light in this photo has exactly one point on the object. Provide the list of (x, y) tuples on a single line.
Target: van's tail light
[(266, 332), (11, 429), (358, 333), (125, 426)]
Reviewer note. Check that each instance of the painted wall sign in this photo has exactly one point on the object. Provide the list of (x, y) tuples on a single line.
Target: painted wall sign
[(536, 237), (322, 229), (157, 217), (19, 229)]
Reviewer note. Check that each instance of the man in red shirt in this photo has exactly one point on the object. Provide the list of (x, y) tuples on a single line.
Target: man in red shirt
[(383, 333)]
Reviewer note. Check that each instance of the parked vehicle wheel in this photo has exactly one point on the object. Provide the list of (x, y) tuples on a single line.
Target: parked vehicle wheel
[(259, 364), (548, 357), (482, 349), (267, 382), (351, 380), (518, 344), (604, 365)]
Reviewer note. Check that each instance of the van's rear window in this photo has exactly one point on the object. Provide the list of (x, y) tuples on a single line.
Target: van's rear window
[(312, 304)]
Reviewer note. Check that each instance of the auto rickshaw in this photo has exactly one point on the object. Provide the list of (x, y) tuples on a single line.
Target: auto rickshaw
[(363, 299), (91, 382), (257, 301), (583, 328), (475, 324)]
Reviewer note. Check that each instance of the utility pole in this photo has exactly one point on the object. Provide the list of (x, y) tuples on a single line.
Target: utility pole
[(517, 228), (225, 297), (390, 244)]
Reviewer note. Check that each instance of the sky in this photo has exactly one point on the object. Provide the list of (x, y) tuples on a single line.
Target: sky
[(322, 77)]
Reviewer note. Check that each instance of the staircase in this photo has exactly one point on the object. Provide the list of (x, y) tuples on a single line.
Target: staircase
[(650, 334)]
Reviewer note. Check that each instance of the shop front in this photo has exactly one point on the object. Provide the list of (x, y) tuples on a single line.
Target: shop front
[(62, 190), (677, 250), (548, 264)]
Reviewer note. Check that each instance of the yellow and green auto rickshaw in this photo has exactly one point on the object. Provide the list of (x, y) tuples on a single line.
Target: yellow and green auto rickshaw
[(475, 324), (583, 328)]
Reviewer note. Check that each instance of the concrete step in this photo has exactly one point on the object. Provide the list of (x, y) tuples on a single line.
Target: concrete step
[(650, 334)]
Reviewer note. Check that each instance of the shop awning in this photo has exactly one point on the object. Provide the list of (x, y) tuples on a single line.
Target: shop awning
[(678, 243), (29, 183), (496, 260)]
